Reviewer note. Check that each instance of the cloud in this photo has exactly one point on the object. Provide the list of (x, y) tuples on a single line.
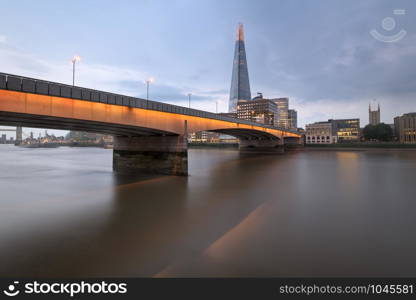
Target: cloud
[(99, 76), (107, 78), (326, 63)]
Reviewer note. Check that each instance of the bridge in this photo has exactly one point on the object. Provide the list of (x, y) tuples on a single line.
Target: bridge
[(149, 136), (19, 133)]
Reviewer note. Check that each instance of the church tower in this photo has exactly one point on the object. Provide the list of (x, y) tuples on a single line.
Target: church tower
[(374, 115)]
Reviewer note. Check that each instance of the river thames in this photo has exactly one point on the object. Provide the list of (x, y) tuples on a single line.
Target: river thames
[(63, 213)]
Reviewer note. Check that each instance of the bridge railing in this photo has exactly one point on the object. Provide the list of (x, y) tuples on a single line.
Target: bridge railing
[(43, 87)]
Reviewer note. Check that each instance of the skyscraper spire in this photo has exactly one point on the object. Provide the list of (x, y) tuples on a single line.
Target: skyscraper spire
[(240, 84), (240, 32)]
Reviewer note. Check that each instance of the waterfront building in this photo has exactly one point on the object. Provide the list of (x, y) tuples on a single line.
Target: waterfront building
[(405, 128), (240, 84), (293, 119), (346, 130), (333, 131), (282, 119), (258, 110), (228, 139), (373, 115), (320, 133), (204, 137), (89, 137)]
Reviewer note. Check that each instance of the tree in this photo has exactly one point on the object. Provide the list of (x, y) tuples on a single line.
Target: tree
[(379, 132)]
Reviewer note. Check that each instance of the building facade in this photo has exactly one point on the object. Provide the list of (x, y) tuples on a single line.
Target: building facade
[(204, 137), (405, 128), (333, 131), (319, 133), (282, 119), (373, 115), (293, 119), (240, 84), (258, 110), (346, 130)]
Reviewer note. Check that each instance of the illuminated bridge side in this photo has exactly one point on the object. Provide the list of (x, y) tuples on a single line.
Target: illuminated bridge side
[(149, 135)]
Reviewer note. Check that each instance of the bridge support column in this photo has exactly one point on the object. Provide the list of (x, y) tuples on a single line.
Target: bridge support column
[(293, 143), (19, 135), (266, 145), (151, 154)]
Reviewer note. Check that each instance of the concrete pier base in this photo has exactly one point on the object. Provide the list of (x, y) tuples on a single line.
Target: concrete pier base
[(293, 143), (261, 145), (166, 155)]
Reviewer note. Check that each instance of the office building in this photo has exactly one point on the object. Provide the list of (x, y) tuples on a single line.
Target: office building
[(204, 137), (282, 119), (333, 131), (293, 119), (258, 110), (405, 128), (346, 130), (320, 133)]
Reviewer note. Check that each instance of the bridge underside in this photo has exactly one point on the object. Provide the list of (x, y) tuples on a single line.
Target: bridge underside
[(146, 150), (247, 134), (50, 122)]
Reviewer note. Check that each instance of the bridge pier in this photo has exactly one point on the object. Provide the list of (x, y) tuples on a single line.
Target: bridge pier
[(293, 143), (19, 135), (266, 145), (166, 155)]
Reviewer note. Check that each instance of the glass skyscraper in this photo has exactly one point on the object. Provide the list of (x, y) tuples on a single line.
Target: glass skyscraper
[(293, 119), (240, 85), (282, 119)]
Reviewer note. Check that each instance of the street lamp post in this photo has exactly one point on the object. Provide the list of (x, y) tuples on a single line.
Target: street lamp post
[(74, 60), (189, 99), (148, 82)]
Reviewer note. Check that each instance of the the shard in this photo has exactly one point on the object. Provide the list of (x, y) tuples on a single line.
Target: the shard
[(240, 85)]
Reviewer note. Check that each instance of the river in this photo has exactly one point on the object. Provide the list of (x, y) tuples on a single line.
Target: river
[(63, 213)]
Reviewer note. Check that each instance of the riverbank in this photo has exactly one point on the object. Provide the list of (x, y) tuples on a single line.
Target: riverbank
[(361, 146), (212, 145), (73, 144)]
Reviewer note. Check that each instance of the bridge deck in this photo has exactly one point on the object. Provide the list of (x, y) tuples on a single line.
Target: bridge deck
[(42, 87)]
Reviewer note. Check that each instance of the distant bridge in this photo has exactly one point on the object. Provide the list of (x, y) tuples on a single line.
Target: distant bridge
[(18, 130), (149, 135)]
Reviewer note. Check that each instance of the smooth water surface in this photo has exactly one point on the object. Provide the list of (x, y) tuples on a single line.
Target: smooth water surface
[(63, 213)]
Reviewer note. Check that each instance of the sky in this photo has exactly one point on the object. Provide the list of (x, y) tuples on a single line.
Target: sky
[(318, 53)]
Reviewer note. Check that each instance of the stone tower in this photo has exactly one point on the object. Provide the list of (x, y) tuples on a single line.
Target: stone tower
[(374, 115)]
